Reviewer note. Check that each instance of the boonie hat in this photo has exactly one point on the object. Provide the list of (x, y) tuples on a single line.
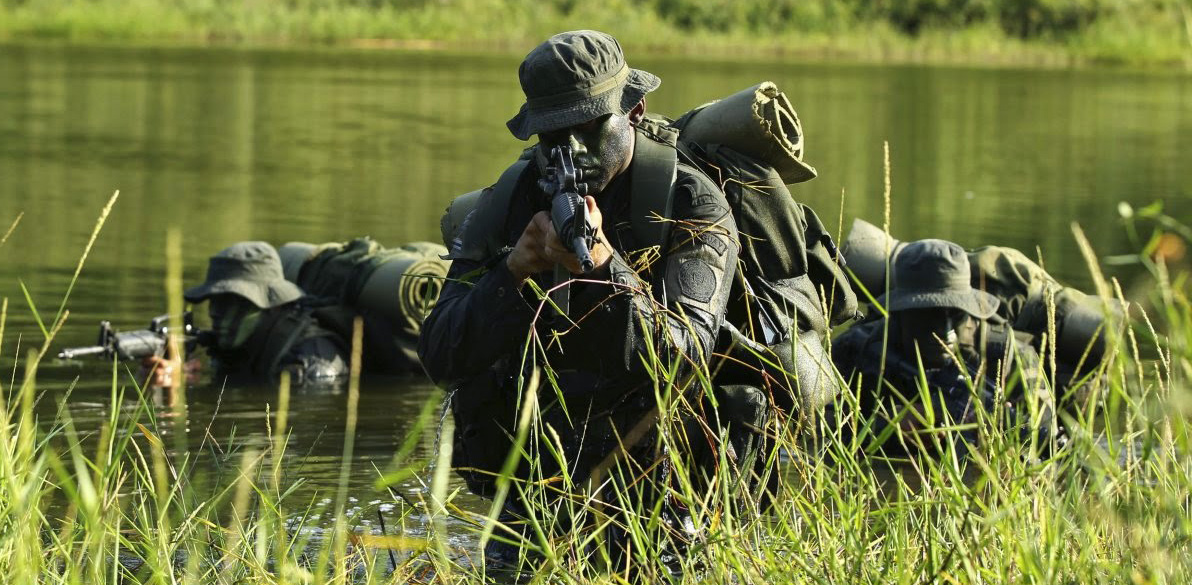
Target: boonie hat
[(935, 273), (251, 270), (575, 77)]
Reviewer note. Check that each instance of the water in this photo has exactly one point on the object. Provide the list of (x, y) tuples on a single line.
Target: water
[(315, 146)]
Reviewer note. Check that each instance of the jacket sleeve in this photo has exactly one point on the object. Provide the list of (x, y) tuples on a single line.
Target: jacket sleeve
[(479, 316), (677, 314)]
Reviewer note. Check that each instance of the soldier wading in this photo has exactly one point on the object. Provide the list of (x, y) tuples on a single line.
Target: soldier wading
[(664, 242), (579, 94)]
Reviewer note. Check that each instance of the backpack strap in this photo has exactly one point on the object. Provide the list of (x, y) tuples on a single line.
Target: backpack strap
[(652, 184), (483, 232)]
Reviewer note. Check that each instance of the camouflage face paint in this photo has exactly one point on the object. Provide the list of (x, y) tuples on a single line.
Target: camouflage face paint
[(233, 319), (926, 329), (602, 148)]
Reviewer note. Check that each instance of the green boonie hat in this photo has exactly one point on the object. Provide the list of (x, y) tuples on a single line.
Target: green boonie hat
[(251, 270), (935, 273), (575, 77)]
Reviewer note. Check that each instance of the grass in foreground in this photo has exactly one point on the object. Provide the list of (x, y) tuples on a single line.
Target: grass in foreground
[(1108, 511)]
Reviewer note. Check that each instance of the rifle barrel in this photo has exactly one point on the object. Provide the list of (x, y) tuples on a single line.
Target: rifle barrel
[(78, 352)]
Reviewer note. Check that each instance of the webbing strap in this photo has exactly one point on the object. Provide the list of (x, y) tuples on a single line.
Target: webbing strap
[(652, 184)]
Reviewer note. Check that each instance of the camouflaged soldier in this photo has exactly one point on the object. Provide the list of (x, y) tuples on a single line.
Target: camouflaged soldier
[(667, 301), (933, 313), (259, 326), (1030, 302)]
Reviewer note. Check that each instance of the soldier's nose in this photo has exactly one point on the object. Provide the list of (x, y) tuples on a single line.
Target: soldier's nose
[(577, 145)]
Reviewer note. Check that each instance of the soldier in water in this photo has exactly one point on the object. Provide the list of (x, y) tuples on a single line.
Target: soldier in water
[(925, 362)]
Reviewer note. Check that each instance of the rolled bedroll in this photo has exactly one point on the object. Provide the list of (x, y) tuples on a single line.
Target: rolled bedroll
[(398, 285), (758, 121), (404, 287)]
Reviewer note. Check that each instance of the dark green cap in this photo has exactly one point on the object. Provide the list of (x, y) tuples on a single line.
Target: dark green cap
[(935, 273), (251, 270), (575, 77)]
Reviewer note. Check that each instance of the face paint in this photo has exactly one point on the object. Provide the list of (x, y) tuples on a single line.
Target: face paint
[(233, 319), (602, 148), (932, 331)]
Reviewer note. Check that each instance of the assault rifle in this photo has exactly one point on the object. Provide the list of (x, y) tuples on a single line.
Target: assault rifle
[(568, 211), (134, 345)]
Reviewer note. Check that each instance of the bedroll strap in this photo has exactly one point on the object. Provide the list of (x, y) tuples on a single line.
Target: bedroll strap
[(652, 187)]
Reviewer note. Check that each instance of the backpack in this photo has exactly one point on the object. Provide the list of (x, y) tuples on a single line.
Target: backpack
[(393, 289)]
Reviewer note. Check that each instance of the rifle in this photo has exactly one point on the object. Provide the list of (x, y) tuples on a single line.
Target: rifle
[(134, 345), (568, 211)]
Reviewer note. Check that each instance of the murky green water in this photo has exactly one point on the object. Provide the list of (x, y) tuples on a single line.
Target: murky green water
[(233, 145)]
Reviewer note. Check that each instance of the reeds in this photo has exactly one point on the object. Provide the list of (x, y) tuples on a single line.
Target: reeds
[(1112, 506)]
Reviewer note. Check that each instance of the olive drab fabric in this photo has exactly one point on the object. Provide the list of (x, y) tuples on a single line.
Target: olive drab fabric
[(283, 335), (1027, 295), (289, 338), (574, 77), (982, 378), (392, 289), (251, 270), (935, 273), (671, 304)]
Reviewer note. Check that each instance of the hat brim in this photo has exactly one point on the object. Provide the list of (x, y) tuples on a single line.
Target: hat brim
[(977, 303), (618, 100), (264, 296)]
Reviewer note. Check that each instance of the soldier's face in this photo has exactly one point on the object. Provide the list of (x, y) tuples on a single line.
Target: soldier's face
[(602, 148), (233, 319), (932, 331)]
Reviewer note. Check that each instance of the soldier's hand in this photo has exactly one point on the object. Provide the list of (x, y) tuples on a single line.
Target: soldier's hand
[(165, 372), (539, 247), (600, 252), (529, 254)]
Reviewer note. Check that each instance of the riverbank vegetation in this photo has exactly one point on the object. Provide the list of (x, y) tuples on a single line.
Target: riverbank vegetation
[(123, 504), (1058, 32)]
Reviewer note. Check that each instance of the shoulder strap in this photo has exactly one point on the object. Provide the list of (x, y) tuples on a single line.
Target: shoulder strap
[(482, 233), (652, 184), (274, 338)]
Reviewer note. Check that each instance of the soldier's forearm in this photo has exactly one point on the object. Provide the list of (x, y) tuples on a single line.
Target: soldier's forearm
[(473, 324)]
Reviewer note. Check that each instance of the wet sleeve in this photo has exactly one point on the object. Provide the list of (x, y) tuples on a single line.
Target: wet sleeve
[(480, 316), (678, 314), (317, 360)]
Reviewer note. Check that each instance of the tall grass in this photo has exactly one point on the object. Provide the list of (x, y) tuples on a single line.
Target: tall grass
[(1131, 31), (1110, 507)]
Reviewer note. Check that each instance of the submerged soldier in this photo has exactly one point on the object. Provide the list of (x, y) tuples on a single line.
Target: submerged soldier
[(930, 336), (1032, 304), (579, 93), (259, 324), (293, 309)]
